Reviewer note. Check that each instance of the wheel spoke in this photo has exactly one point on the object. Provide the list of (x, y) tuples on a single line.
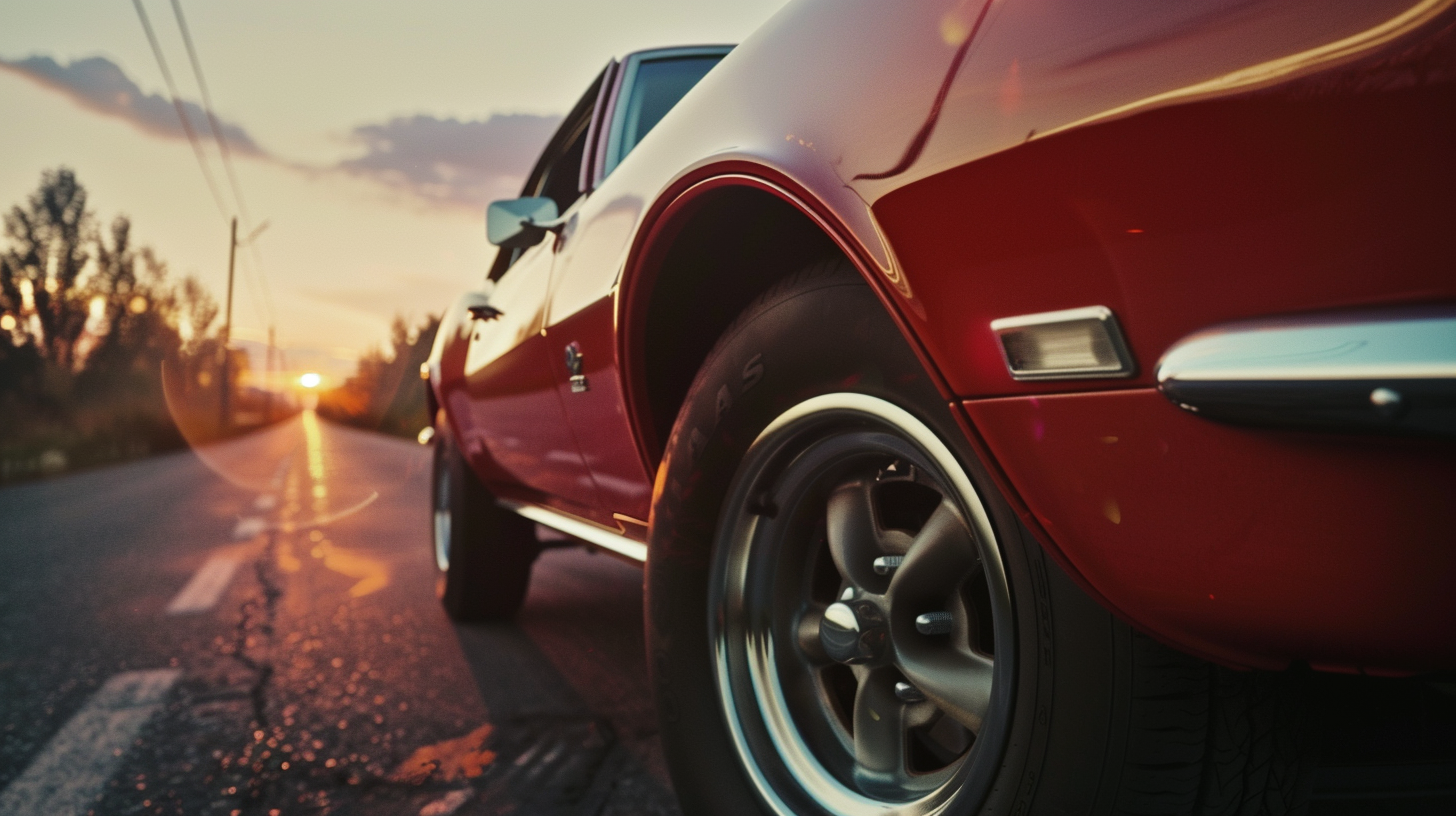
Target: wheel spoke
[(957, 681), (953, 677), (879, 732), (940, 557), (854, 540)]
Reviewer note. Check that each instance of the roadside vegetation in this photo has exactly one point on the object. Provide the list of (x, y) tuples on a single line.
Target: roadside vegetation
[(385, 392), (89, 323)]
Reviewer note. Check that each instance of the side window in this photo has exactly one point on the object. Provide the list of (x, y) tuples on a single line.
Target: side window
[(560, 180), (653, 88), (557, 174)]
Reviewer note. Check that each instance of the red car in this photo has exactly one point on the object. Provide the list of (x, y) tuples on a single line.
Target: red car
[(1023, 406)]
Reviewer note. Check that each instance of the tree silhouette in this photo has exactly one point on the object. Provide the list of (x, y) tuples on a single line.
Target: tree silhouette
[(46, 256), (87, 320), (386, 392)]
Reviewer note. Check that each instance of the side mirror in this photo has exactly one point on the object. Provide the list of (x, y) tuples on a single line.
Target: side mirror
[(520, 222)]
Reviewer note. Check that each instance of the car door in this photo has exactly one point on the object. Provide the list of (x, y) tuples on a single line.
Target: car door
[(582, 314), (518, 424)]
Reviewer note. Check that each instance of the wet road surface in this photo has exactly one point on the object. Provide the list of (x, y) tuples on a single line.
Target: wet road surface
[(253, 629)]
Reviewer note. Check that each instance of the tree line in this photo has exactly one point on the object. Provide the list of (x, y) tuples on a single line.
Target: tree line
[(385, 393), (89, 323)]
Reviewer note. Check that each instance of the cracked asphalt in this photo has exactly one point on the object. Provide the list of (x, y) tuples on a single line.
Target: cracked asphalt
[(275, 595)]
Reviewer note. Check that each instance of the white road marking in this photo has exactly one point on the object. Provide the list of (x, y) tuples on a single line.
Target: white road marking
[(265, 502), (71, 772), (206, 587), (248, 527)]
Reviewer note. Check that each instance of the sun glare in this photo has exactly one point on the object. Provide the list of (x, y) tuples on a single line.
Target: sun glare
[(310, 380)]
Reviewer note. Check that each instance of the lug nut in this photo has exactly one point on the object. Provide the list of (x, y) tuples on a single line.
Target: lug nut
[(886, 564), (908, 693), (934, 623)]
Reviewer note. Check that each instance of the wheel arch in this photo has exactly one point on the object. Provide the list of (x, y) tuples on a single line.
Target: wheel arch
[(685, 236), (675, 302)]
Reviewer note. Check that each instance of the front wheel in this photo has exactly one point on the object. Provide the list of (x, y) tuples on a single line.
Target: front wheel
[(845, 617), (860, 615)]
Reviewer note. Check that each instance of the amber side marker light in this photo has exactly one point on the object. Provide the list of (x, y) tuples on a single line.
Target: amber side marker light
[(1071, 344)]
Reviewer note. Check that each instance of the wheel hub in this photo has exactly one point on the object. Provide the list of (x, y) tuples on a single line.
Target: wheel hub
[(854, 633)]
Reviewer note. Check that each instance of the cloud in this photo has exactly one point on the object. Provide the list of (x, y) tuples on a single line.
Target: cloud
[(447, 161), (441, 161), (99, 85)]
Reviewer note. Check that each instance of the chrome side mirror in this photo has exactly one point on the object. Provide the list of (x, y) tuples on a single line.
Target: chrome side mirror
[(520, 222)]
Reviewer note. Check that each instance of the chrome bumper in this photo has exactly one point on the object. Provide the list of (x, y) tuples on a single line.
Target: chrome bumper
[(1390, 371)]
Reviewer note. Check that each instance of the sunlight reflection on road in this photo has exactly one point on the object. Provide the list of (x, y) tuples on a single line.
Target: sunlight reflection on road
[(371, 574), (313, 443)]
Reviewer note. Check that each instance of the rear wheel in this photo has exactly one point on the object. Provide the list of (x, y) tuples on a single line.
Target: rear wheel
[(845, 617), (483, 552)]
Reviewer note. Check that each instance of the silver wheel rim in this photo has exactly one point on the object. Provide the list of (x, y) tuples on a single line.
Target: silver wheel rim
[(784, 695), (442, 511)]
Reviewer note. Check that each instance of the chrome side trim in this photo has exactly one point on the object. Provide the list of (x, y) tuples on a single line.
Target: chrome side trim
[(1390, 371), (579, 528), (1393, 348)]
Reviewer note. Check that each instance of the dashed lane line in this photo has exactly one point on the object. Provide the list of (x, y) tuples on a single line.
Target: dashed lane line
[(71, 772), (206, 587)]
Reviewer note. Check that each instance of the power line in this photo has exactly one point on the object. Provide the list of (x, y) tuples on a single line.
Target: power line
[(222, 149), (181, 111), (212, 122), (263, 281), (258, 272)]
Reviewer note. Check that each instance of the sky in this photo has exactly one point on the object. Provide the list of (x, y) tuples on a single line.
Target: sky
[(367, 135)]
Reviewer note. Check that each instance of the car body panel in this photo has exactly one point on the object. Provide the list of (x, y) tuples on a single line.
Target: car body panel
[(1184, 165), (1271, 218), (1208, 534), (517, 418), (598, 415)]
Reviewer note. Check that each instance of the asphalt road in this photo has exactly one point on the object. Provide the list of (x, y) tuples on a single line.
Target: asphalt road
[(252, 629)]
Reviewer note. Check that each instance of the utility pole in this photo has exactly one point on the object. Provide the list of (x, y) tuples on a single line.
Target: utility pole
[(227, 333), (272, 382)]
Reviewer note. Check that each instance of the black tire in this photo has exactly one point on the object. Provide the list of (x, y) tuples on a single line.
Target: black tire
[(1083, 715), (483, 552)]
